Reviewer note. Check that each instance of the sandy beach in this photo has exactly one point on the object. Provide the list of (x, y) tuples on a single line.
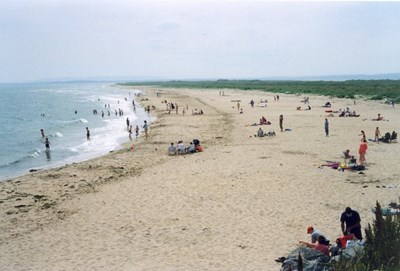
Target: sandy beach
[(238, 205)]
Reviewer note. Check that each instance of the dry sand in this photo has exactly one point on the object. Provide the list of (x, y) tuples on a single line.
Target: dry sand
[(238, 205)]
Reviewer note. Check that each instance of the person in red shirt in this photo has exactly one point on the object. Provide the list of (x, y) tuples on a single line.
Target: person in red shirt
[(320, 245), (362, 151)]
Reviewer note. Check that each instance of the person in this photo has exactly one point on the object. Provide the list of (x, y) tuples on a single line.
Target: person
[(363, 135), (87, 133), (315, 233), (181, 147), (172, 149), (362, 151), (320, 245), (137, 131), (281, 122), (47, 144), (191, 148), (42, 132), (379, 117), (260, 132), (377, 134), (127, 123), (326, 127), (130, 132), (352, 162), (145, 127), (346, 154), (350, 223)]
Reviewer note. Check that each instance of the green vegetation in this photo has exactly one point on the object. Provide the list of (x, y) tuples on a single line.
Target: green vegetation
[(372, 89)]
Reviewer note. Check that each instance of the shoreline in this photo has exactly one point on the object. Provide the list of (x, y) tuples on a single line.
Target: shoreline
[(65, 153), (238, 205)]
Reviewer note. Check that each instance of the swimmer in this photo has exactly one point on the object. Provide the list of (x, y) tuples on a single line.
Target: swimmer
[(47, 144)]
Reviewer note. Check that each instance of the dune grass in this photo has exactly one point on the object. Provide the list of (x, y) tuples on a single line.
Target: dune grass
[(371, 89)]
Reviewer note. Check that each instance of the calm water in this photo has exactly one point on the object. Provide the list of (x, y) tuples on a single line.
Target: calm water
[(27, 108)]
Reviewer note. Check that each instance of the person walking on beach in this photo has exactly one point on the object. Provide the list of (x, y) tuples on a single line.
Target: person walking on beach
[(47, 144), (87, 133), (326, 127), (281, 122), (362, 150), (42, 132), (127, 124), (145, 127)]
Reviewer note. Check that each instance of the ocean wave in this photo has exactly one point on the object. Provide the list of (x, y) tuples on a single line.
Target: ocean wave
[(31, 155)]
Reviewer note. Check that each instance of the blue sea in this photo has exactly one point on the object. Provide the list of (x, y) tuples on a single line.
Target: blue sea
[(63, 111)]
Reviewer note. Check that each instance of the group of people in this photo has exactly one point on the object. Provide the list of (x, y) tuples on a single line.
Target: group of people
[(180, 148), (347, 113), (350, 224), (261, 133)]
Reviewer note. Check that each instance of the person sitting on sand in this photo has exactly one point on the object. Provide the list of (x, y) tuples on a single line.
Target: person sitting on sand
[(172, 149), (346, 154), (180, 147), (260, 132), (378, 118), (315, 233), (352, 162), (263, 120), (320, 245), (191, 148), (271, 133)]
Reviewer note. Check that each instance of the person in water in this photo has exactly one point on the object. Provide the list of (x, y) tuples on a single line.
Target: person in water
[(47, 144)]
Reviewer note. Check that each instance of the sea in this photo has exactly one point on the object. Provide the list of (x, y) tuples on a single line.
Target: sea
[(63, 110)]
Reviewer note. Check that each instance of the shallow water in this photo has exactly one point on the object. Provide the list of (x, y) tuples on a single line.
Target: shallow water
[(63, 111)]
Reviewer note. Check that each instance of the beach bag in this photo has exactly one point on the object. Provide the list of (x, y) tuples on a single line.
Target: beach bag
[(344, 238)]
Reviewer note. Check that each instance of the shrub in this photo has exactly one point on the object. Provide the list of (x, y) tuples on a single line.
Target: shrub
[(382, 249)]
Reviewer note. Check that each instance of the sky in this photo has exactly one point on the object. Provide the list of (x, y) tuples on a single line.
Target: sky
[(54, 39)]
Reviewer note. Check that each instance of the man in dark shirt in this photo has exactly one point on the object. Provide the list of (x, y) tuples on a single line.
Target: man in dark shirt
[(352, 220)]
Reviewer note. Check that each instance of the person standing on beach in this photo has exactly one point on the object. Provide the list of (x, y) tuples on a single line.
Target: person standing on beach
[(145, 127), (130, 132), (362, 150), (281, 122), (127, 124), (137, 131), (87, 133), (363, 135), (42, 132), (326, 127), (353, 223), (377, 134)]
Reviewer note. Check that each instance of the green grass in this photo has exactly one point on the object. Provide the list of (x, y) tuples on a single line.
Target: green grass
[(372, 89)]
